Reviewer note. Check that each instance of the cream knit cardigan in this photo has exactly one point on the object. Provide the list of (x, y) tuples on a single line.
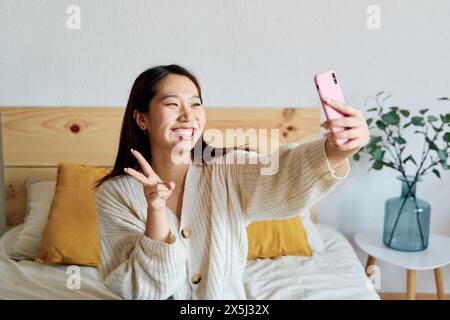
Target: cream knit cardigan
[(219, 201)]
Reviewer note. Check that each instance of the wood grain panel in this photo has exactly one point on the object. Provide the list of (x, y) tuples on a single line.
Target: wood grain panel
[(36, 139), (43, 136)]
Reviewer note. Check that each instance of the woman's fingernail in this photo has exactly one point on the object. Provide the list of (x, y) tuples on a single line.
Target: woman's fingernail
[(171, 185), (125, 169), (131, 149)]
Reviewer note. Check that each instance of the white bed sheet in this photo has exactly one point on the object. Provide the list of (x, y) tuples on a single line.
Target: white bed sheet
[(333, 274), (30, 280)]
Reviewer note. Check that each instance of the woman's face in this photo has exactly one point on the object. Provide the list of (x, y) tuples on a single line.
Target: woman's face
[(176, 117)]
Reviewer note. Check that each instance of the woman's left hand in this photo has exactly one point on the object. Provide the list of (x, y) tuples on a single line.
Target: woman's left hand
[(357, 131)]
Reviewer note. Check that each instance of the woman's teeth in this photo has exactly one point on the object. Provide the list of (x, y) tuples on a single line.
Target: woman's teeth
[(182, 133)]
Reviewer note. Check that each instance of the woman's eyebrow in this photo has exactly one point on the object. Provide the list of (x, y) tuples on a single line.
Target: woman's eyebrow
[(177, 96)]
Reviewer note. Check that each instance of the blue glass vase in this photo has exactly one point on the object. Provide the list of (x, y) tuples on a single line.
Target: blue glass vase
[(407, 219)]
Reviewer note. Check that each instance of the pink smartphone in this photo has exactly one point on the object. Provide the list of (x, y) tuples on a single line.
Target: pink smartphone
[(328, 86)]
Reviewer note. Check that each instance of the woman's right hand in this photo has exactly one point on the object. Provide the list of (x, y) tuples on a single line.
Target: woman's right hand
[(156, 191)]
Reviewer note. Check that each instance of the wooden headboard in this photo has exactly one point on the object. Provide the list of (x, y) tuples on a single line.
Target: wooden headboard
[(36, 139)]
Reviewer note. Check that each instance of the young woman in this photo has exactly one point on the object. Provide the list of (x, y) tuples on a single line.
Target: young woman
[(171, 227)]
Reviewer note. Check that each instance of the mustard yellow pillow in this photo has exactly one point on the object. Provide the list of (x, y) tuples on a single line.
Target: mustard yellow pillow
[(71, 233), (273, 238)]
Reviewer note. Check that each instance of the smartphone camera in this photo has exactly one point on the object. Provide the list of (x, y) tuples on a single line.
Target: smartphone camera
[(334, 78)]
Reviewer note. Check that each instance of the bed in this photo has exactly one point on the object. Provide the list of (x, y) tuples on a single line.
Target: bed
[(35, 139), (333, 274)]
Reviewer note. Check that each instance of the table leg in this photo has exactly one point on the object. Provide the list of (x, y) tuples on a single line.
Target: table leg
[(411, 284), (439, 285), (370, 261)]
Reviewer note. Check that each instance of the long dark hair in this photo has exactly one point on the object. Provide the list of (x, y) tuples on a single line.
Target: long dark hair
[(131, 136)]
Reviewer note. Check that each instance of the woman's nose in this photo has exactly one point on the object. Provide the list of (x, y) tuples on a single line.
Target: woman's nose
[(186, 112)]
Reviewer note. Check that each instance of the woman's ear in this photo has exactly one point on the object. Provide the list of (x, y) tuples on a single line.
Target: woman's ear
[(141, 120)]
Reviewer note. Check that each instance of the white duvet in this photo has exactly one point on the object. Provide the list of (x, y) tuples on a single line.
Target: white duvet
[(333, 274)]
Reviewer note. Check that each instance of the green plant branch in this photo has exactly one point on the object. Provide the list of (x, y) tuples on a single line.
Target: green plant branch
[(393, 143), (434, 163), (428, 149), (425, 145)]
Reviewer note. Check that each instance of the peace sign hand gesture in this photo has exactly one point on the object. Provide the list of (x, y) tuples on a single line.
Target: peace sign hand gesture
[(156, 191)]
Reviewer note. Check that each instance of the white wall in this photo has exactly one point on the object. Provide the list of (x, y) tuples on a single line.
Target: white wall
[(246, 53)]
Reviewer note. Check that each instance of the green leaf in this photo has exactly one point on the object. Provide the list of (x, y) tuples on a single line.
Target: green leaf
[(432, 119), (446, 137), (431, 144), (405, 113), (378, 165), (400, 140), (391, 118), (372, 109), (378, 154), (380, 125), (442, 155), (375, 139), (423, 111), (446, 118), (379, 93), (410, 158), (421, 132), (443, 98), (356, 157), (394, 108), (444, 165), (374, 150), (417, 121), (369, 121), (436, 172), (407, 125)]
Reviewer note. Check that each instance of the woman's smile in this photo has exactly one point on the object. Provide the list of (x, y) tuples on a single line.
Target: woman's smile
[(182, 133)]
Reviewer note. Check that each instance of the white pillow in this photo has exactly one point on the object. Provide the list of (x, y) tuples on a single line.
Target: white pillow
[(29, 241), (312, 234)]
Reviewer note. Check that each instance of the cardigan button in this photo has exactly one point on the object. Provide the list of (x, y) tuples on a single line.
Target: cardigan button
[(172, 238), (196, 278), (186, 232)]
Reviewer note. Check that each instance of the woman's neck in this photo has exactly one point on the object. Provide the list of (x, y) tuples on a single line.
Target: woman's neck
[(167, 170)]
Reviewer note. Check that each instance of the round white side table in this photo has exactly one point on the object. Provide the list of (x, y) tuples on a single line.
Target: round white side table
[(436, 256)]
